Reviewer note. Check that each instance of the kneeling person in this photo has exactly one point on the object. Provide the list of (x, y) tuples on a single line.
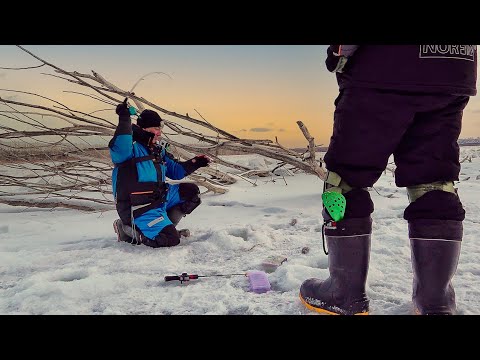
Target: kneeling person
[(148, 207)]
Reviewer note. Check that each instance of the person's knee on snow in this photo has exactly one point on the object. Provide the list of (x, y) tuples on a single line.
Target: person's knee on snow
[(168, 237)]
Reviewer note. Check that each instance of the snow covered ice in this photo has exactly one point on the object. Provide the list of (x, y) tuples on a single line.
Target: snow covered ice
[(65, 261)]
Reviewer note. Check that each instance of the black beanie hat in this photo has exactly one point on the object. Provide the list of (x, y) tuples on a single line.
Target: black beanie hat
[(149, 118)]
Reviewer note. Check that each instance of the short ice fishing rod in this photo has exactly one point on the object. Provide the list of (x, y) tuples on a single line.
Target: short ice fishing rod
[(187, 277)]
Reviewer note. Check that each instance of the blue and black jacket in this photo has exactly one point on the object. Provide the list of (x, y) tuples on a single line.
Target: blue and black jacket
[(138, 178)]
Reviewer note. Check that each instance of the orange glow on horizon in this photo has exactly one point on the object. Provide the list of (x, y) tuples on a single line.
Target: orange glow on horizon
[(253, 92)]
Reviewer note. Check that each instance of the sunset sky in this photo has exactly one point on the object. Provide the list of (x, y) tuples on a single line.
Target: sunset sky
[(251, 91)]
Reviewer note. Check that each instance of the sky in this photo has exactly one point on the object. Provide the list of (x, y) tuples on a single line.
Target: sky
[(69, 262), (251, 91)]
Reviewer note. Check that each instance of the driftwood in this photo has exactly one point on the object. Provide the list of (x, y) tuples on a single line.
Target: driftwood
[(61, 162)]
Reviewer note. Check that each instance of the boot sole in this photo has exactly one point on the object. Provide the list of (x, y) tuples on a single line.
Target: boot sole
[(116, 232), (323, 311), (418, 312), (184, 232)]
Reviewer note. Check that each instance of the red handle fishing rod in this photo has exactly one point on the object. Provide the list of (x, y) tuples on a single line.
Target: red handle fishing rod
[(187, 277), (258, 279)]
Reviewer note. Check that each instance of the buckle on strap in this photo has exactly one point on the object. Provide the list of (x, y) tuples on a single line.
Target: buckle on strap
[(336, 183)]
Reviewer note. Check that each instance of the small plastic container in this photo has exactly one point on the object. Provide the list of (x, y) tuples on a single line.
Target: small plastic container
[(258, 280), (271, 263)]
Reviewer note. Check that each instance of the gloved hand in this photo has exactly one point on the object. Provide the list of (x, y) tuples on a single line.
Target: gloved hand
[(193, 164), (201, 161), (122, 109), (335, 62)]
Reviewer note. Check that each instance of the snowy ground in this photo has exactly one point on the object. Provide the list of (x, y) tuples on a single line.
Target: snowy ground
[(69, 262)]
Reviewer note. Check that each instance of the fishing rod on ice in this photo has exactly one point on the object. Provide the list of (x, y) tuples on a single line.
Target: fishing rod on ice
[(258, 279), (187, 277)]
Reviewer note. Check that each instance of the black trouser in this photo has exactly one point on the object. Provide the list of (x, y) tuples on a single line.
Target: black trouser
[(169, 235), (420, 130)]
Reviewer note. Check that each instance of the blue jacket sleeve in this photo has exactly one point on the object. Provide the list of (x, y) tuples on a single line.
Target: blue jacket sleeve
[(121, 145)]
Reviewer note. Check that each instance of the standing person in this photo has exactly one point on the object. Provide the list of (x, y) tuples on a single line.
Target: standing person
[(148, 207), (405, 100)]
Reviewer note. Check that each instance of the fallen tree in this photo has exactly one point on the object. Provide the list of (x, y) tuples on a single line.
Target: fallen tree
[(60, 164)]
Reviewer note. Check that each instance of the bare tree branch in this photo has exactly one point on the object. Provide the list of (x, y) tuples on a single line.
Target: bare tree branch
[(73, 167), (22, 68), (311, 147)]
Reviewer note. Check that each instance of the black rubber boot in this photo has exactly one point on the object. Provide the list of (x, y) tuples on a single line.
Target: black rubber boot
[(343, 293), (125, 233), (168, 237), (435, 248), (121, 234)]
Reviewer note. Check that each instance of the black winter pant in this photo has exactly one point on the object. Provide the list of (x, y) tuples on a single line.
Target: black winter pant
[(420, 130), (169, 236)]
